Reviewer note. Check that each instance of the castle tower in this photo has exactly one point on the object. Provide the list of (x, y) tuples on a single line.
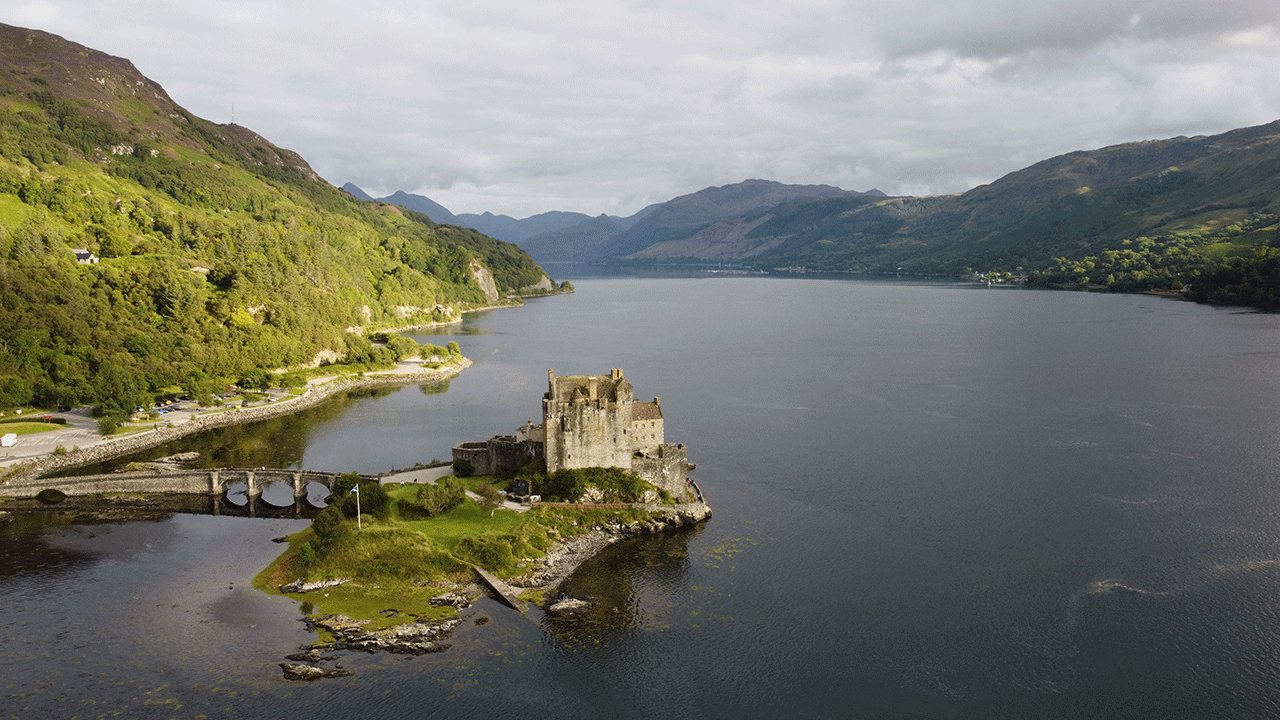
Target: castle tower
[(593, 420)]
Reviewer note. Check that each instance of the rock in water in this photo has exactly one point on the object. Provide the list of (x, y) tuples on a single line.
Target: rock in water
[(568, 606), (298, 671)]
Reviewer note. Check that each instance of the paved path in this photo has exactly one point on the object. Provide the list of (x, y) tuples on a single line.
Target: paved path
[(82, 430)]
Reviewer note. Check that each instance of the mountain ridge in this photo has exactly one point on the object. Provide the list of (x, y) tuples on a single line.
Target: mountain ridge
[(211, 256)]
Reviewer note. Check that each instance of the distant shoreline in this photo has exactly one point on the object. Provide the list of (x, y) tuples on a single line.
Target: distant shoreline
[(113, 448)]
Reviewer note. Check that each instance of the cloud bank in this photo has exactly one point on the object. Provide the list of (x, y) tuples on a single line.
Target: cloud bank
[(609, 105)]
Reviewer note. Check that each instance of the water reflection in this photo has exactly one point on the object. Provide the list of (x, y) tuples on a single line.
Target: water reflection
[(633, 585), (436, 388), (278, 442), (26, 552)]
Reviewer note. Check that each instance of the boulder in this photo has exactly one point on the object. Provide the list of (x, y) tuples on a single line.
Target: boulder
[(568, 606), (299, 671)]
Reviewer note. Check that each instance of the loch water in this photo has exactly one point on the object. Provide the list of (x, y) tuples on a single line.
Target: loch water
[(932, 500)]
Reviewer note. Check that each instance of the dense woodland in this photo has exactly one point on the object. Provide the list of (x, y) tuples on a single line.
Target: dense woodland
[(222, 257)]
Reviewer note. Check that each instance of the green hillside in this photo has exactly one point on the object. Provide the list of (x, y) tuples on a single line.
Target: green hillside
[(1190, 192), (221, 254), (1199, 212)]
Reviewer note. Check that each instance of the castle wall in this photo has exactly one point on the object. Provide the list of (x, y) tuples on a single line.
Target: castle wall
[(667, 468), (584, 434), (497, 453)]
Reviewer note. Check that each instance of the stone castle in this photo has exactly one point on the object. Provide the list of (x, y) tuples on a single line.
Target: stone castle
[(589, 421)]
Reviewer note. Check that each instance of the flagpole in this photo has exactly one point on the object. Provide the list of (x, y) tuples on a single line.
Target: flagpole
[(359, 526)]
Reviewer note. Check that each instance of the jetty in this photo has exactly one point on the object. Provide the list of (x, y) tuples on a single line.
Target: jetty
[(504, 591)]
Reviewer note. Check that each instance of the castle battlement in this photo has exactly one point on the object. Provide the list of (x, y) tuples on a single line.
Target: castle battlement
[(592, 421)]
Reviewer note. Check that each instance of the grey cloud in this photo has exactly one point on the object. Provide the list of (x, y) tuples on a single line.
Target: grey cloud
[(520, 108), (995, 28)]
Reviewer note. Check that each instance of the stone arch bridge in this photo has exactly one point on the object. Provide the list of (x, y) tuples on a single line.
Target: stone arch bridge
[(212, 483)]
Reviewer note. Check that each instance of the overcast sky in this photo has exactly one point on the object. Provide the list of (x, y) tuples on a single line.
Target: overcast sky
[(524, 106)]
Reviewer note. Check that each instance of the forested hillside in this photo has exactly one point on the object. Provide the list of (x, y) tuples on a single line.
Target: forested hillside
[(221, 254)]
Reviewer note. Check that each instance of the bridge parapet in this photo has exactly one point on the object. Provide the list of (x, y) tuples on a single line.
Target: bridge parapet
[(181, 482)]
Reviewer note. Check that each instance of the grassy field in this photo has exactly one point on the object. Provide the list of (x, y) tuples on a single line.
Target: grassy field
[(28, 428)]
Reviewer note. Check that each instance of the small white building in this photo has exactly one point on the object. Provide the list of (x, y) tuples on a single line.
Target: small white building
[(84, 257)]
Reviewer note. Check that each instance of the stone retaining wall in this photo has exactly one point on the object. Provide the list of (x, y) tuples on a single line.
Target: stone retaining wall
[(26, 473)]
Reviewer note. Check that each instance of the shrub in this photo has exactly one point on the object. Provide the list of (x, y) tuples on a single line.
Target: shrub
[(463, 468), (330, 524), (307, 555), (565, 485), (493, 553), (434, 499), (373, 501), (615, 484)]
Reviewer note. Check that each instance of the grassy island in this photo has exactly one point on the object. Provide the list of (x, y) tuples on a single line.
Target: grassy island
[(414, 542)]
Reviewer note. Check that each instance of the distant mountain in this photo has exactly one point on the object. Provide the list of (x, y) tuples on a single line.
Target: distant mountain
[(505, 227), (604, 239), (424, 205), (356, 192), (581, 243), (1208, 189), (1072, 206)]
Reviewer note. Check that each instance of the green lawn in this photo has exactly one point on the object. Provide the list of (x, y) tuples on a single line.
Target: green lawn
[(466, 520), (29, 428)]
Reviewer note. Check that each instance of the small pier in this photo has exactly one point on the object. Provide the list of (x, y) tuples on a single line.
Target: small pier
[(505, 591)]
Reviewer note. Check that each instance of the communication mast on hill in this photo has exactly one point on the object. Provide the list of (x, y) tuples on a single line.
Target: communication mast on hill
[(233, 113)]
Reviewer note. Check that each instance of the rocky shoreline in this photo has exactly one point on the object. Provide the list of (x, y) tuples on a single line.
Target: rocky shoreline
[(562, 559)]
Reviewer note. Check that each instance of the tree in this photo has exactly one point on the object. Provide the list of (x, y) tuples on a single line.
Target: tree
[(490, 498), (14, 391)]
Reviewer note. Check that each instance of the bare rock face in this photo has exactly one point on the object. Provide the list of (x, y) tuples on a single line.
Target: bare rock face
[(543, 285), (484, 279)]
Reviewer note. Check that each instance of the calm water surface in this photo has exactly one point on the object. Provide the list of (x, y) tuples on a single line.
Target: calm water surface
[(932, 501)]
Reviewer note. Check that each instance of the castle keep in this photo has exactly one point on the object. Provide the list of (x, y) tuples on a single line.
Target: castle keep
[(589, 421)]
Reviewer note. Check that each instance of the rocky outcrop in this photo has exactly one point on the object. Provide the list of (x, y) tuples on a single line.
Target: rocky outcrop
[(415, 638), (452, 599), (542, 286), (298, 586), (484, 279)]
